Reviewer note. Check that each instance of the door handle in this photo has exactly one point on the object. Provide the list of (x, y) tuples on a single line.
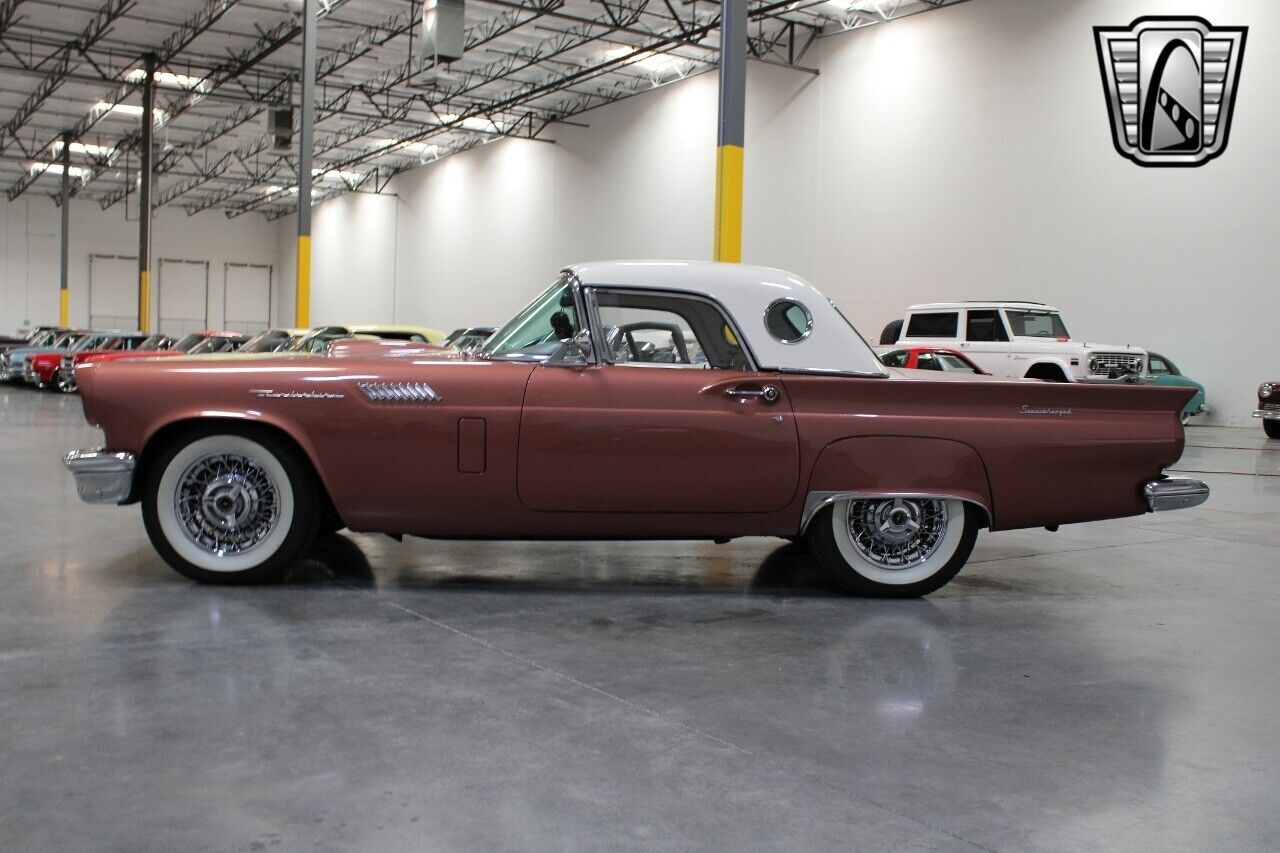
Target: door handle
[(767, 394)]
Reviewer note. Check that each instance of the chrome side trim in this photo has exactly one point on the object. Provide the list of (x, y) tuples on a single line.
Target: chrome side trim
[(399, 392), (102, 476), (1174, 493), (817, 500), (1267, 414)]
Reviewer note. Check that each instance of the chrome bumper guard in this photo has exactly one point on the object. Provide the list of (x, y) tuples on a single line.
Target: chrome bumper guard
[(102, 477), (1267, 414), (1175, 493)]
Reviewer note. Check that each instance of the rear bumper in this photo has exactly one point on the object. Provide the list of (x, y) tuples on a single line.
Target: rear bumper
[(1267, 414), (1174, 493), (102, 477)]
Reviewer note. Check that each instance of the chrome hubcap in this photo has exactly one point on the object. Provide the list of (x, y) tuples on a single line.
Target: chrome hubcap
[(897, 533), (226, 503)]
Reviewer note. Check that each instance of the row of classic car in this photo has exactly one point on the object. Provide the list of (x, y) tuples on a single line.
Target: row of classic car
[(629, 400), (1029, 340), (48, 356)]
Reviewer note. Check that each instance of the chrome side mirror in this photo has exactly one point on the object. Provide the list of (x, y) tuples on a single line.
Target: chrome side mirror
[(575, 352)]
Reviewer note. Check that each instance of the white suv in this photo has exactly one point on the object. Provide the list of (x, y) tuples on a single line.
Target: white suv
[(1016, 340)]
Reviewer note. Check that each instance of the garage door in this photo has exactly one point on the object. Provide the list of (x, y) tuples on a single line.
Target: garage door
[(246, 297), (113, 292), (184, 295)]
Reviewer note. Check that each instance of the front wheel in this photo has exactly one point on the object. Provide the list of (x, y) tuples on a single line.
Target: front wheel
[(64, 382), (894, 547), (230, 507), (1272, 428)]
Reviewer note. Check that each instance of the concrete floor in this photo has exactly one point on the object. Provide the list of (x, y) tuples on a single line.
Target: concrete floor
[(1112, 686)]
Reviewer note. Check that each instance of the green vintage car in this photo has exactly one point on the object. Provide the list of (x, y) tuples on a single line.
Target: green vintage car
[(1167, 373)]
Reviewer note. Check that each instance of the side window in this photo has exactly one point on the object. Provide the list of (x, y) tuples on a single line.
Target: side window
[(1159, 366), (985, 326), (934, 325), (666, 330), (927, 361), (897, 358)]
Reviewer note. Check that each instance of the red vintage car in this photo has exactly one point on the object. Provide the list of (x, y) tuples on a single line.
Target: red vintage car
[(630, 400), (1269, 408), (56, 370), (929, 358)]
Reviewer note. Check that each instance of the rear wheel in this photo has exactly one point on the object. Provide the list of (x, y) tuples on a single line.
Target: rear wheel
[(1272, 428), (894, 547), (230, 507)]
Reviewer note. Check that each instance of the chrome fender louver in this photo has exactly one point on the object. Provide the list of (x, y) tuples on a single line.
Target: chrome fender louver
[(399, 392)]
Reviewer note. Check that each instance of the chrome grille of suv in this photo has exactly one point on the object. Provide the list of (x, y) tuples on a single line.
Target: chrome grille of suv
[(1102, 363)]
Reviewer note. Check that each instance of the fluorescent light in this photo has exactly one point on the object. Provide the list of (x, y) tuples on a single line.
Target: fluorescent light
[(56, 169), (345, 175), (469, 123), (654, 63), (174, 81), (160, 116), (85, 148), (422, 149), (273, 189)]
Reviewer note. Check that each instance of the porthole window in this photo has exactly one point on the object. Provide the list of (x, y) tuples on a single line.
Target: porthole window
[(788, 321)]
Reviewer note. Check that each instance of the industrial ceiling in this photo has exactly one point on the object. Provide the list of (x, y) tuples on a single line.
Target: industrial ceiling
[(71, 70)]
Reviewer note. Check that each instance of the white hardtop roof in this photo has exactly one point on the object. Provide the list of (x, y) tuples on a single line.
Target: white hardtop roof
[(746, 291), (982, 305)]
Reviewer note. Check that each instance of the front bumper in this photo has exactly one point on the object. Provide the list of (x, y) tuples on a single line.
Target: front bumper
[(102, 476), (29, 374), (1126, 379), (1267, 414), (1174, 493)]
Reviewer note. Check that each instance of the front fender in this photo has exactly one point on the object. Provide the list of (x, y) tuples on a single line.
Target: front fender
[(898, 465)]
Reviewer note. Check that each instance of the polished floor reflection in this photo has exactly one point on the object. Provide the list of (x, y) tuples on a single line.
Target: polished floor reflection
[(1110, 686)]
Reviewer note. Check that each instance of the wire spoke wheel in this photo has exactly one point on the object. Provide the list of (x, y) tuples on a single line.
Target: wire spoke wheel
[(898, 533), (226, 503), (892, 546)]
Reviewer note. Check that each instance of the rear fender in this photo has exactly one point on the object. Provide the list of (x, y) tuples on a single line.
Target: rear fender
[(898, 466)]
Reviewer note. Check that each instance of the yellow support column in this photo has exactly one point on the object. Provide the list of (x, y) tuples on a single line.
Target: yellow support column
[(64, 308), (302, 310), (730, 130), (144, 300), (728, 245)]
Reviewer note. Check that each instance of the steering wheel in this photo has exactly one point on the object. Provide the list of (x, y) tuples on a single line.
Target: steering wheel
[(628, 331)]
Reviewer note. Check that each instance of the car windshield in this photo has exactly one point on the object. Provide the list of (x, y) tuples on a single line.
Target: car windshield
[(953, 363), (88, 342), (317, 339), (154, 342), (213, 344), (536, 332), (1036, 324), (268, 341), (185, 344)]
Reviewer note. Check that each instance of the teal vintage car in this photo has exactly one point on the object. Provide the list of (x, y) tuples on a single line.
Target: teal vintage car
[(1167, 373)]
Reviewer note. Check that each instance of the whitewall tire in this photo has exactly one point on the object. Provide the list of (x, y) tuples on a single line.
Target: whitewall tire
[(230, 507), (894, 547)]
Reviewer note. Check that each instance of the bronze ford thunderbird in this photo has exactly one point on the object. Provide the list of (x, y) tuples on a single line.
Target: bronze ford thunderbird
[(640, 400)]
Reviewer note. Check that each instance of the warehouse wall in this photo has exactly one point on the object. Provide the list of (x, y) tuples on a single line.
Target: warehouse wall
[(29, 263), (960, 154)]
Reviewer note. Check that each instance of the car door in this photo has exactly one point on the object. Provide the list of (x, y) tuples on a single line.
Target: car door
[(986, 341), (670, 418)]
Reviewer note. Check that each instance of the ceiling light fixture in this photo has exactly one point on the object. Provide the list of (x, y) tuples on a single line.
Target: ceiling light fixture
[(84, 148), (173, 81), (39, 168)]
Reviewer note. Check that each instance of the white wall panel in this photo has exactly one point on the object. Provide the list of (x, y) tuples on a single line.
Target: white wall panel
[(246, 297), (353, 263), (113, 292), (182, 291)]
